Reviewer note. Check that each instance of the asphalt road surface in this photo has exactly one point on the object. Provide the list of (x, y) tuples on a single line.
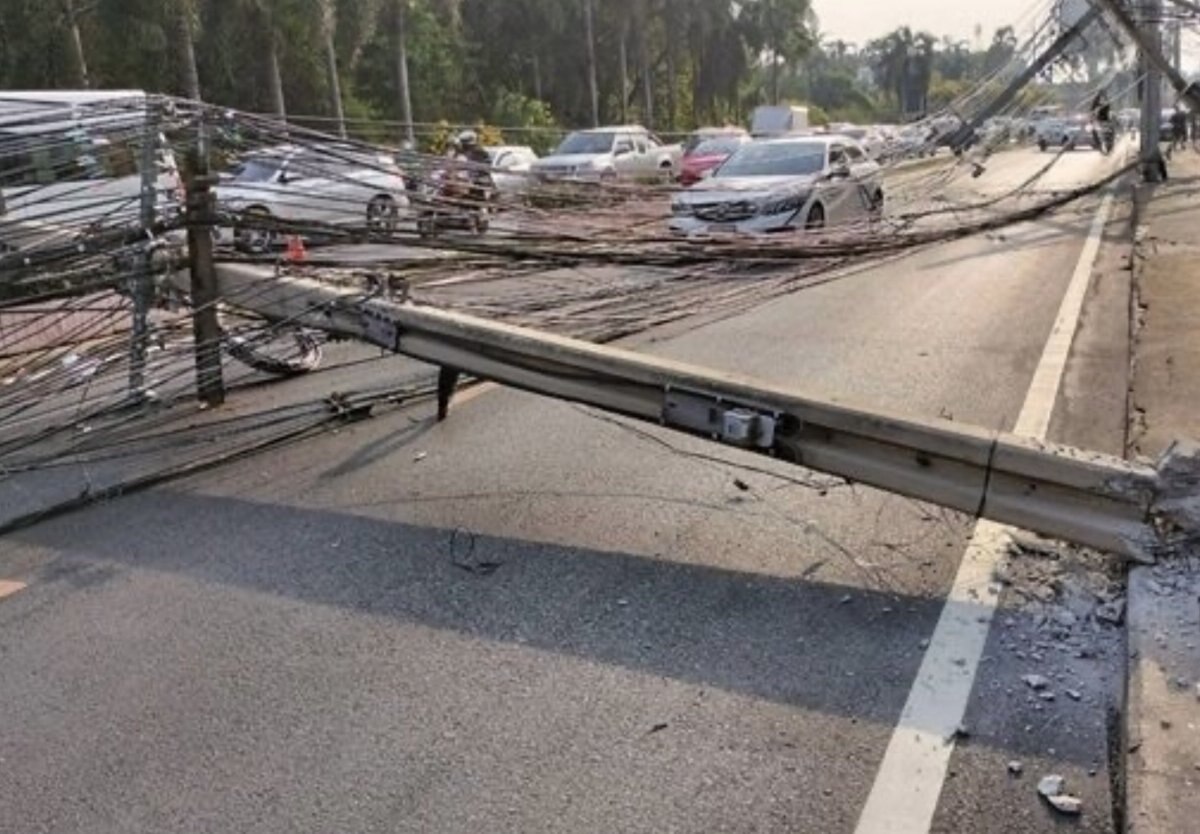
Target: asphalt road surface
[(537, 618)]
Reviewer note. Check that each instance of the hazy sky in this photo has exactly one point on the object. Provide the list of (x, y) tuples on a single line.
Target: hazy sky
[(861, 20)]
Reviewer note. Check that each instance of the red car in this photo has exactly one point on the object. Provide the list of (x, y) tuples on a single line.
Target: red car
[(707, 155)]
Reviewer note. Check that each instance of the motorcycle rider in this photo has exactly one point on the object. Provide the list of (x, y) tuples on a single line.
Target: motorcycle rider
[(1102, 117), (476, 165), (1179, 128)]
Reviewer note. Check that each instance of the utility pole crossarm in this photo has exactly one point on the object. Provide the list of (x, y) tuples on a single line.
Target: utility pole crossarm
[(1088, 498)]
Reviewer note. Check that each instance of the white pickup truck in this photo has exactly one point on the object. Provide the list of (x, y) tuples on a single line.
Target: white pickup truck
[(608, 153)]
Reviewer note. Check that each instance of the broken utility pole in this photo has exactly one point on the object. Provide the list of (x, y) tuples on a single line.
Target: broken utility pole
[(1084, 497)]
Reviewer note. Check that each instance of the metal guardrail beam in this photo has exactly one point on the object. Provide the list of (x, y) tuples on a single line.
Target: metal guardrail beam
[(1089, 498)]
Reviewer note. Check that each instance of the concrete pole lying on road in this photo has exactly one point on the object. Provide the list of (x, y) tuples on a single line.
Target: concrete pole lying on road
[(1089, 498)]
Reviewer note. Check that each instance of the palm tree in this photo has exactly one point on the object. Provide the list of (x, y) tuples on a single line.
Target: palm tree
[(185, 20), (590, 33), (264, 14), (72, 21), (641, 23), (400, 35), (329, 20)]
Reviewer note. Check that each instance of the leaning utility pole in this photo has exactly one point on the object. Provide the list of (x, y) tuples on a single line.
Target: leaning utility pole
[(1153, 167), (966, 135), (1150, 47), (140, 283), (206, 325)]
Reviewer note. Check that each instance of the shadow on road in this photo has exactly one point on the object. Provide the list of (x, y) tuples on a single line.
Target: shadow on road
[(822, 647)]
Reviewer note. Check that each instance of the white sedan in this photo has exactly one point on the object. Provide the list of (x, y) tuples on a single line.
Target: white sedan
[(325, 185), (783, 185), (511, 168)]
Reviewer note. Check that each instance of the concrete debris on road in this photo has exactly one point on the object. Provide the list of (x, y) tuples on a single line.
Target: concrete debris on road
[(1052, 788), (1066, 804), (1051, 785), (1112, 612), (1036, 682), (1015, 768)]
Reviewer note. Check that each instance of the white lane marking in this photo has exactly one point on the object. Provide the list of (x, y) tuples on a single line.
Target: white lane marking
[(909, 782), (1034, 420)]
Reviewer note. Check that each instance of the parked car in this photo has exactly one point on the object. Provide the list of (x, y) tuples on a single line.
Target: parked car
[(512, 167), (330, 184), (70, 164), (783, 185), (1069, 134), (706, 156), (778, 120), (704, 134), (607, 153)]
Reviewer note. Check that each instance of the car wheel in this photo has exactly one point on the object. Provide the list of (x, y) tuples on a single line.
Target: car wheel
[(382, 214), (816, 218), (255, 239)]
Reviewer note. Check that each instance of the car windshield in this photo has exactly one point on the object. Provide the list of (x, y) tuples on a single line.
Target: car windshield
[(720, 146), (697, 139), (586, 143), (256, 170), (783, 159)]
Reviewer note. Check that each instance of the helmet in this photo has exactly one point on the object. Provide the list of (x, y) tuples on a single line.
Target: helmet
[(466, 139)]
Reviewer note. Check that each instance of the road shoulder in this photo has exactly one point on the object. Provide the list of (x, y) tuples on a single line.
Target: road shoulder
[(1162, 741)]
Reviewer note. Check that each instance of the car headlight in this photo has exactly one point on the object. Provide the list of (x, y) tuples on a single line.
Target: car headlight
[(682, 210), (782, 205)]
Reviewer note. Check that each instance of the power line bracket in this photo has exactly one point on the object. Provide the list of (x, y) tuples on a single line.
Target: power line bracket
[(735, 424)]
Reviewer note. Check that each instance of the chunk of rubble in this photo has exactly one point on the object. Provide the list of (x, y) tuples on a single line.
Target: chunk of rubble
[(1053, 788), (1015, 768), (1051, 785), (1112, 612), (1036, 682), (1072, 806)]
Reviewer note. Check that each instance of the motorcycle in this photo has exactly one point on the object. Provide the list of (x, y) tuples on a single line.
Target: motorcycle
[(1105, 136), (458, 197)]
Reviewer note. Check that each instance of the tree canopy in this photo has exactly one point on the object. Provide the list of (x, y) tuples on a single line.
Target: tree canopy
[(669, 64)]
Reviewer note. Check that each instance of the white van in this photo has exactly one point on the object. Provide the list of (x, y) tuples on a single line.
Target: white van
[(70, 164), (778, 120)]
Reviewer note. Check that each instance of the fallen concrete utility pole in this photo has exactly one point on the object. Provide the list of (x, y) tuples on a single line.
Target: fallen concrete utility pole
[(1083, 497)]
